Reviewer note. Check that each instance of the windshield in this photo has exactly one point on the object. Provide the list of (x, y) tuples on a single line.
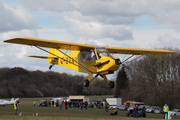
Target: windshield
[(102, 52), (151, 107), (123, 105), (87, 56), (174, 110)]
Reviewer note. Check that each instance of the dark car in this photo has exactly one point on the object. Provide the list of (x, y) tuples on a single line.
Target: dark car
[(141, 113), (123, 107), (43, 103), (153, 108), (142, 106)]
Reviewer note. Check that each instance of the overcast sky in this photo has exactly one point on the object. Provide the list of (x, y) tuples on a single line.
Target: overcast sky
[(120, 23)]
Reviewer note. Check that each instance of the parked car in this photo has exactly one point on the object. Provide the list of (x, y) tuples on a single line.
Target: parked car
[(151, 109), (130, 108), (142, 106), (123, 107), (175, 112), (159, 111)]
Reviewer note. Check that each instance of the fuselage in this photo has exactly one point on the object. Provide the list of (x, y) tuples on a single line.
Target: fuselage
[(94, 61)]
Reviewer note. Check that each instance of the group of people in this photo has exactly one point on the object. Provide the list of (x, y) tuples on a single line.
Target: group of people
[(165, 110), (98, 104), (80, 104), (74, 104)]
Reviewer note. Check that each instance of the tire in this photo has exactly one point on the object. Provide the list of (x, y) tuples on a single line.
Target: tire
[(86, 83), (111, 84)]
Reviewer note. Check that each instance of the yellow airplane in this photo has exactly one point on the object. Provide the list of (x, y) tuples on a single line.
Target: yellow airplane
[(86, 58)]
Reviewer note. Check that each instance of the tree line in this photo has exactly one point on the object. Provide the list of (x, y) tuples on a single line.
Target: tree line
[(155, 80), (18, 82)]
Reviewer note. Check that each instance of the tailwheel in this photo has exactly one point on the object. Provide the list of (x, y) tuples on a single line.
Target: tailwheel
[(111, 84), (86, 83)]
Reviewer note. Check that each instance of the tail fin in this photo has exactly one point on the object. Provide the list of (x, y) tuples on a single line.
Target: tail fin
[(16, 99), (12, 99)]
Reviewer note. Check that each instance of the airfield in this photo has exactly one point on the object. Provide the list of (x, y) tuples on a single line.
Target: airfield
[(53, 113)]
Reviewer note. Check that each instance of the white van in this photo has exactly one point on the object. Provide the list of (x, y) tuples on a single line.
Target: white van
[(114, 102)]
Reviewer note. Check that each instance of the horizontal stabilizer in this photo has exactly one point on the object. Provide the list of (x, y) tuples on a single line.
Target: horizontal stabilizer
[(42, 57)]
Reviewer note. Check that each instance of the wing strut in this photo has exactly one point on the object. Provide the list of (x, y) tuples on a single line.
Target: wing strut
[(64, 59), (93, 78), (70, 58), (134, 58), (127, 59)]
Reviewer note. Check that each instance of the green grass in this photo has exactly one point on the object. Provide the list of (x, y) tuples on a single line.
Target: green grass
[(53, 113)]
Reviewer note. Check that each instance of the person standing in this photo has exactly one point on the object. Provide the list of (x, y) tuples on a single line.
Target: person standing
[(77, 103), (106, 106), (70, 104), (16, 106), (52, 105), (60, 104), (49, 103), (101, 105), (34, 103), (74, 104), (136, 111), (166, 109), (81, 105), (86, 104), (66, 105)]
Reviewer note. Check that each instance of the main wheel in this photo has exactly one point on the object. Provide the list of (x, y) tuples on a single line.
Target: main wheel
[(86, 83), (111, 85)]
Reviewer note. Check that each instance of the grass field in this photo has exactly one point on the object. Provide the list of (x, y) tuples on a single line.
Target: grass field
[(53, 113)]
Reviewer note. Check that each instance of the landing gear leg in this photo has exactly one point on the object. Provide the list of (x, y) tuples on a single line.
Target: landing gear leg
[(111, 83), (87, 81)]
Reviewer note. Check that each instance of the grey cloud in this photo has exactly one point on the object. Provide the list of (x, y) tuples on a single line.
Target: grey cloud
[(167, 40), (111, 12), (15, 19), (96, 30), (165, 12)]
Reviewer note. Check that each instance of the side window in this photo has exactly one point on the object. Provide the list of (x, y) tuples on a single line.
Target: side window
[(87, 56)]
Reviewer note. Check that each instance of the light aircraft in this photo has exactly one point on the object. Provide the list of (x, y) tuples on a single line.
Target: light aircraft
[(6, 102), (85, 58)]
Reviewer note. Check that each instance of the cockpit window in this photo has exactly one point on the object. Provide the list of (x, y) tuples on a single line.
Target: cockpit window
[(102, 52), (87, 56)]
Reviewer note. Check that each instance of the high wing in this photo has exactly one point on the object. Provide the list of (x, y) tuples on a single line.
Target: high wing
[(137, 51), (50, 44), (83, 47)]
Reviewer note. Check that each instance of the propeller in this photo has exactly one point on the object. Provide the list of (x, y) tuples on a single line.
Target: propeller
[(118, 62)]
